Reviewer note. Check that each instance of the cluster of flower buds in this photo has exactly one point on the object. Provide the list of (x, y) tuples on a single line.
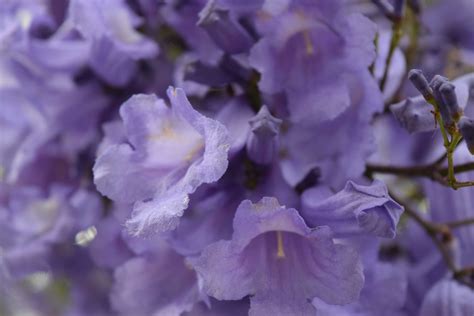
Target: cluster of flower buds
[(442, 94)]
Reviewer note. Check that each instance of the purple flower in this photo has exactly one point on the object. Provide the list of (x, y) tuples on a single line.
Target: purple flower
[(115, 45), (208, 218), (183, 18), (47, 118), (160, 283), (357, 209), (109, 249), (415, 115), (311, 75), (451, 22), (169, 153), (34, 224), (254, 200), (459, 203), (384, 293), (274, 257), (306, 145), (224, 29), (448, 297), (466, 128), (235, 116), (46, 128)]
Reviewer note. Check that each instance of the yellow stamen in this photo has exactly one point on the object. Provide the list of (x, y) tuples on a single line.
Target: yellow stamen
[(167, 132), (190, 155), (281, 250), (308, 43)]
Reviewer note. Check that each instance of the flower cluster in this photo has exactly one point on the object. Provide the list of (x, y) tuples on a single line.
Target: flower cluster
[(219, 157)]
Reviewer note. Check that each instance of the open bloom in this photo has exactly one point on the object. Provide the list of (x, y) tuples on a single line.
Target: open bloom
[(278, 260), (167, 154)]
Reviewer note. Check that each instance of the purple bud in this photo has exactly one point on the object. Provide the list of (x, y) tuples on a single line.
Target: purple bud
[(261, 144), (437, 82), (466, 127), (226, 32), (435, 85), (420, 82), (448, 94)]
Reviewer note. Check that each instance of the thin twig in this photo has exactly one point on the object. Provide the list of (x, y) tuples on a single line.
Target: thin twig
[(422, 170), (457, 185), (441, 159), (465, 167), (433, 171), (460, 223)]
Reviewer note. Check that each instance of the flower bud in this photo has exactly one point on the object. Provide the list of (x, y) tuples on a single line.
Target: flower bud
[(448, 94), (466, 127), (261, 144), (420, 82), (226, 32), (435, 85)]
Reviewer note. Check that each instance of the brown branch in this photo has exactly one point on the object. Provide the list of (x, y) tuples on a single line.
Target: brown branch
[(426, 170), (460, 223), (464, 167), (432, 171), (457, 185)]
